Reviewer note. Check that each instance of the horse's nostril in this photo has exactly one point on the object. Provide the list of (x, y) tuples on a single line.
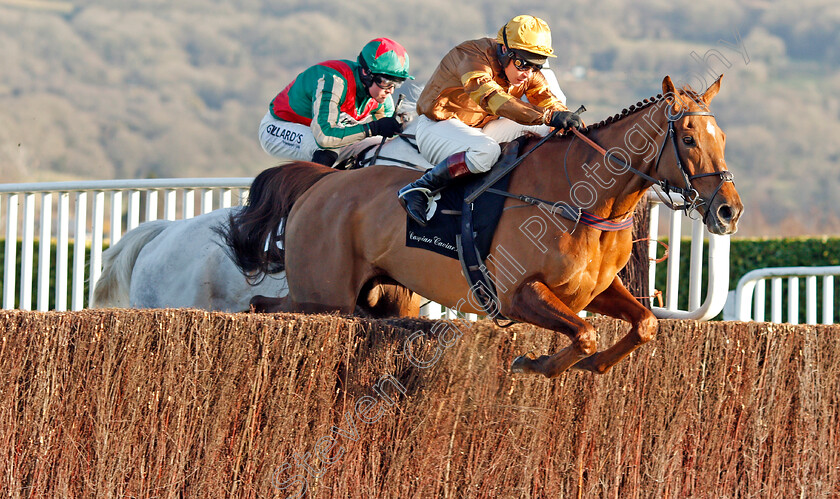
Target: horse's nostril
[(725, 213)]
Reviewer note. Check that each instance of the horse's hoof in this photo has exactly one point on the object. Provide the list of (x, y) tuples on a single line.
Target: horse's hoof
[(519, 364), (257, 304)]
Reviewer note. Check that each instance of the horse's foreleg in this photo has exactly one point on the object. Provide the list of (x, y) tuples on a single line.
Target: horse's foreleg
[(617, 302), (534, 302)]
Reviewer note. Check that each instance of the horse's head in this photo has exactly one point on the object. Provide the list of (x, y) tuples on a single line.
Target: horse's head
[(697, 147)]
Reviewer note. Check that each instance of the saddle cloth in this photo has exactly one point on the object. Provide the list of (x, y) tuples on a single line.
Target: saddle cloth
[(440, 233), (445, 224)]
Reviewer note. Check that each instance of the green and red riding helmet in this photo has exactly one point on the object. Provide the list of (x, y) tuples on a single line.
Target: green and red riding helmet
[(383, 56)]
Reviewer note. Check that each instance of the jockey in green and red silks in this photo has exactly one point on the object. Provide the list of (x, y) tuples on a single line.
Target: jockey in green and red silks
[(336, 103)]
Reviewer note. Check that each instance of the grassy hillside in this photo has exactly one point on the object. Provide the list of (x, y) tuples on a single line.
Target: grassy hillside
[(130, 89)]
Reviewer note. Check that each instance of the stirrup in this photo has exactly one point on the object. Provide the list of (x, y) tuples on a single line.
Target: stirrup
[(424, 212), (423, 190)]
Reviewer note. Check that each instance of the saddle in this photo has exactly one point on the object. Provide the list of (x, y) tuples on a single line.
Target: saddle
[(458, 227), (464, 231)]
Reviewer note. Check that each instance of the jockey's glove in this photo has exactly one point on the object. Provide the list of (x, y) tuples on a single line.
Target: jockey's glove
[(386, 127), (565, 120)]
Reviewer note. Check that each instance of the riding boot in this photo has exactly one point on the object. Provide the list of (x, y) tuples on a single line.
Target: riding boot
[(324, 157), (415, 196)]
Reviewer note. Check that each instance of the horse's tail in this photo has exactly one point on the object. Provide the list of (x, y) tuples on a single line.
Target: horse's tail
[(252, 234), (112, 288)]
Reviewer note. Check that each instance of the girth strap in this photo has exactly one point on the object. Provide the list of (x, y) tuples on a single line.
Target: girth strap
[(573, 213)]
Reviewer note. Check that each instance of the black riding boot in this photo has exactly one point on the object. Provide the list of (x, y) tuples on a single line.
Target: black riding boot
[(415, 196), (324, 157)]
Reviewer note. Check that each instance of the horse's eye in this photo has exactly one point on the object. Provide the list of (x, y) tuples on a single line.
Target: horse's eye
[(688, 140)]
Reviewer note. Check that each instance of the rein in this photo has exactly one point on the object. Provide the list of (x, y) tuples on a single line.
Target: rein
[(363, 162), (573, 213), (689, 193)]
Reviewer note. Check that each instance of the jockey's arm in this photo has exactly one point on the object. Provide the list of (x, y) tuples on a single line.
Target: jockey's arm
[(553, 84), (327, 128), (539, 92), (477, 78), (385, 109)]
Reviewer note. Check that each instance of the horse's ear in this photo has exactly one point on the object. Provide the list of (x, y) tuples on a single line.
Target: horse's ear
[(671, 95), (710, 92)]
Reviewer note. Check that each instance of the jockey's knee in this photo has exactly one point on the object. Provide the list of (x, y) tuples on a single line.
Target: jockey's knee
[(480, 158)]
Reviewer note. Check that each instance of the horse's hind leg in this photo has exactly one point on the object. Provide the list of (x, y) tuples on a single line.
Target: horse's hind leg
[(386, 298), (616, 301), (534, 302), (268, 304), (324, 288)]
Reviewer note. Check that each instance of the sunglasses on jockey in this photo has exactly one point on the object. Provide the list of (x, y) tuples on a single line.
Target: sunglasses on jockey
[(387, 82), (521, 64)]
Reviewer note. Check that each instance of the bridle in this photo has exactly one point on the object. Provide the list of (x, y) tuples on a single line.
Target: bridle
[(691, 197), (689, 193)]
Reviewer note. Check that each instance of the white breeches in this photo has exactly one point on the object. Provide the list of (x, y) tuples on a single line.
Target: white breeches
[(286, 140), (438, 140)]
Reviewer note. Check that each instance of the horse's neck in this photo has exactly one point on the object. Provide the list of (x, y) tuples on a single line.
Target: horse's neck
[(635, 138)]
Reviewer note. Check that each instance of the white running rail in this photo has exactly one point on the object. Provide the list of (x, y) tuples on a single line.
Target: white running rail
[(104, 210), (717, 265), (42, 202), (750, 297)]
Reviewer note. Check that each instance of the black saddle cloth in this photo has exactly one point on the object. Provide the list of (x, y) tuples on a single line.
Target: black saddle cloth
[(439, 234)]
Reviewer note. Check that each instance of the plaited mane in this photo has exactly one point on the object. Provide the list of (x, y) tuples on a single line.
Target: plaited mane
[(639, 106), (643, 104)]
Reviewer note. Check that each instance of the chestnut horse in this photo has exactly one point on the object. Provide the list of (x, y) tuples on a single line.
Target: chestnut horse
[(345, 229)]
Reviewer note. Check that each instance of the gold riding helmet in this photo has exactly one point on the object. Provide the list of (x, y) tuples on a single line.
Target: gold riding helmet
[(529, 37)]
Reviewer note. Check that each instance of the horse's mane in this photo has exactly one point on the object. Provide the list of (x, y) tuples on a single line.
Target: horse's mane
[(643, 104)]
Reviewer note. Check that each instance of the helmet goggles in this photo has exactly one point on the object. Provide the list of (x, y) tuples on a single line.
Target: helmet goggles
[(387, 82)]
